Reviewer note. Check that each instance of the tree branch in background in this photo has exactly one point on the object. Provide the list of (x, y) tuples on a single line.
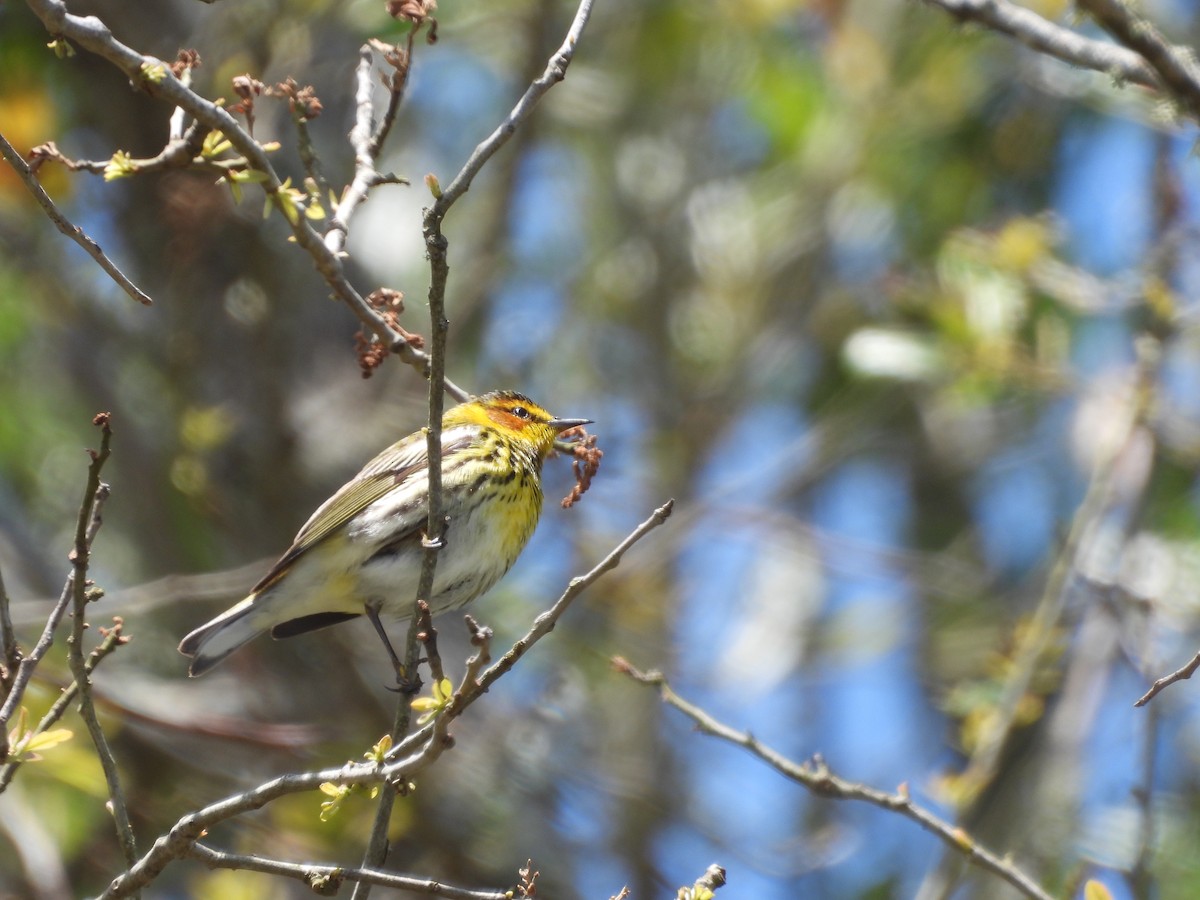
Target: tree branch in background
[(11, 651), (28, 663), (817, 777), (82, 593), (74, 232), (1183, 673), (326, 880), (1034, 640), (366, 143), (555, 71), (1044, 36), (366, 139), (1175, 68)]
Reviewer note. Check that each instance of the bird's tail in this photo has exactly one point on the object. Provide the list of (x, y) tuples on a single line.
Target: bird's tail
[(215, 640)]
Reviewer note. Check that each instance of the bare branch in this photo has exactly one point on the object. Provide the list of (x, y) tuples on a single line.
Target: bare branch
[(366, 149), (10, 650), (816, 776), (545, 623), (1062, 43), (1175, 67), (555, 71), (1183, 673), (366, 152), (86, 527), (327, 879), (74, 232), (998, 726), (396, 85)]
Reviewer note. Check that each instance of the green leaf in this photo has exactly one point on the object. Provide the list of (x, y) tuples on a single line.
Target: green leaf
[(120, 166), (62, 48), (215, 143), (153, 72), (430, 707), (48, 739)]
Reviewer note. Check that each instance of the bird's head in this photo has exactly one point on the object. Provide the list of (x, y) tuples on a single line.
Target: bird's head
[(515, 416)]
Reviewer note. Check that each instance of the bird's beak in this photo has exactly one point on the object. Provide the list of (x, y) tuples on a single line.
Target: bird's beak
[(561, 425)]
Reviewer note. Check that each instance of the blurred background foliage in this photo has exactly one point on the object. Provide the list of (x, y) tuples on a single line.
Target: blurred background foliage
[(879, 299)]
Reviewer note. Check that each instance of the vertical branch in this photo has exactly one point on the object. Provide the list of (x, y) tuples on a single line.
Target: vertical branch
[(1140, 874), (435, 528), (439, 326), (367, 147), (396, 86), (555, 71), (86, 527), (1168, 209), (8, 643), (365, 154), (436, 247)]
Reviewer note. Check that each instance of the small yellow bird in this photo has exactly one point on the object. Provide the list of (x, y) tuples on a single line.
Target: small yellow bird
[(361, 550)]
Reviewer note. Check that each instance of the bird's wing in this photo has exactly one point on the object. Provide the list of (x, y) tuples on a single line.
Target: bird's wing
[(388, 471)]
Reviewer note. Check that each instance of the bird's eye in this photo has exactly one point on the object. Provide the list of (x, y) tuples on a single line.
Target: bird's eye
[(520, 412)]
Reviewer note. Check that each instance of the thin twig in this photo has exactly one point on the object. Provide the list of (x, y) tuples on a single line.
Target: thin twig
[(9, 647), (555, 71), (545, 623), (366, 153), (413, 754), (435, 523), (327, 879), (74, 232), (396, 85), (376, 850), (112, 639), (1053, 40), (427, 635), (183, 152), (308, 155), (817, 777), (366, 149), (1183, 673), (179, 115), (86, 527), (439, 326)]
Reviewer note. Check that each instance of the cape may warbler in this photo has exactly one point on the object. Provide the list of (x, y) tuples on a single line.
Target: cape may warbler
[(361, 550)]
